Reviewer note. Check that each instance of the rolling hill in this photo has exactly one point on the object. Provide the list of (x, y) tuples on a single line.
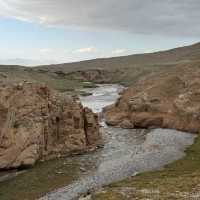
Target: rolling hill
[(125, 70)]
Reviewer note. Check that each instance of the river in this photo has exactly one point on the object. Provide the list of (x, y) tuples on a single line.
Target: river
[(125, 152)]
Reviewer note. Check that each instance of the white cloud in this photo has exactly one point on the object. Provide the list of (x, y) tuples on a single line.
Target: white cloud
[(119, 51), (45, 51), (86, 50), (26, 62), (169, 17)]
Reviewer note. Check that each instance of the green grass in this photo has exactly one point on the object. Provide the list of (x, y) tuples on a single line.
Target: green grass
[(43, 178), (179, 180)]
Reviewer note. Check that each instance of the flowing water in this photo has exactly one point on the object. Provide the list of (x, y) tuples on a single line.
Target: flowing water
[(125, 152)]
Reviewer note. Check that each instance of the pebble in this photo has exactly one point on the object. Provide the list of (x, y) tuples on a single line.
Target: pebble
[(59, 172), (83, 169)]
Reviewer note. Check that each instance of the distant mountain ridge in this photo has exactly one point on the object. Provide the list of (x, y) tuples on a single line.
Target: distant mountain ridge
[(180, 54), (124, 70)]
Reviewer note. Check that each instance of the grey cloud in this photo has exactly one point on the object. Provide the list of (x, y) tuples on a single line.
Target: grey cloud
[(164, 17)]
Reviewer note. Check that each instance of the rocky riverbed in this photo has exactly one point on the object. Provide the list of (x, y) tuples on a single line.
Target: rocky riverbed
[(126, 152)]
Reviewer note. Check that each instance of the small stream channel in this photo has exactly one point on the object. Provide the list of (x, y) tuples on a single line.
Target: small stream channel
[(125, 153)]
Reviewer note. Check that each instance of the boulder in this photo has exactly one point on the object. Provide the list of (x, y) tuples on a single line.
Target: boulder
[(37, 123)]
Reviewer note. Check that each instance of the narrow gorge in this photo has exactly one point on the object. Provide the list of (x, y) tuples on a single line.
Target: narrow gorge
[(126, 152)]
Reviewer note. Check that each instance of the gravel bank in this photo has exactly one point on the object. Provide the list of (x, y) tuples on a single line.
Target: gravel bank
[(161, 147), (126, 152)]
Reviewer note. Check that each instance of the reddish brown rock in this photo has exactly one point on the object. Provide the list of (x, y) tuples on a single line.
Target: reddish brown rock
[(126, 124), (37, 123), (167, 100)]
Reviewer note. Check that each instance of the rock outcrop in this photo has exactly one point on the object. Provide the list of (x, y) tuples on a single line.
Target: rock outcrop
[(92, 75), (167, 100), (37, 123)]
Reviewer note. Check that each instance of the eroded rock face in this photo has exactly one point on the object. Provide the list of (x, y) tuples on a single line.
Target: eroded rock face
[(37, 123), (93, 75), (166, 100)]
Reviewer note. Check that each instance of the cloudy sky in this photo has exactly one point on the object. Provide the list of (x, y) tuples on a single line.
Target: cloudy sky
[(54, 31)]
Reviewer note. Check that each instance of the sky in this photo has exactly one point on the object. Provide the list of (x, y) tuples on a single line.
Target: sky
[(36, 32)]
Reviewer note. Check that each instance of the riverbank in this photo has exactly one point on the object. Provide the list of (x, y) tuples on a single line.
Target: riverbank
[(125, 153), (161, 147), (179, 180), (43, 178), (47, 176)]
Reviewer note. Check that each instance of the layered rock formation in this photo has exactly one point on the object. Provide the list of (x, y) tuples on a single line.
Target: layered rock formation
[(37, 123), (92, 75), (169, 100)]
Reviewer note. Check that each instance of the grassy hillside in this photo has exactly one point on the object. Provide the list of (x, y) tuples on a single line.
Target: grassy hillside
[(177, 55), (125, 70)]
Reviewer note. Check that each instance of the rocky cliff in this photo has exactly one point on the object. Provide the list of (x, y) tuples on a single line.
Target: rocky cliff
[(37, 123), (169, 100)]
